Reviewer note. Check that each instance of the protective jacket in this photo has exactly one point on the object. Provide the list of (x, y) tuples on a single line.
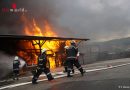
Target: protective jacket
[(16, 64), (42, 60), (71, 52)]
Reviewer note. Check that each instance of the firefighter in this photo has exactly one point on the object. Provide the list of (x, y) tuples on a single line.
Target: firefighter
[(16, 64), (72, 59), (41, 67), (65, 62)]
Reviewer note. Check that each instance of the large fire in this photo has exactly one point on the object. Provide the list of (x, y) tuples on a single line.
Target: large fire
[(32, 28)]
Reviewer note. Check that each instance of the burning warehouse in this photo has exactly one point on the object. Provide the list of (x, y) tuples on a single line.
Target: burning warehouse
[(36, 32), (29, 43), (29, 47)]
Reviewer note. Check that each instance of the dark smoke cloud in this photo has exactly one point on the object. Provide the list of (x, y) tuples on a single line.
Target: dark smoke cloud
[(94, 19), (11, 23)]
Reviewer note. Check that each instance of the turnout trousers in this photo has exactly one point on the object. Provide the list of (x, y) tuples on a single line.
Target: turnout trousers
[(66, 67), (70, 63), (15, 74), (39, 71)]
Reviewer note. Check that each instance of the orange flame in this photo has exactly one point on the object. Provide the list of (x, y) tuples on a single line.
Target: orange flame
[(32, 28)]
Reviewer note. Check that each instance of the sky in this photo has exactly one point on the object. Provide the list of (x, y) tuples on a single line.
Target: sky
[(98, 20)]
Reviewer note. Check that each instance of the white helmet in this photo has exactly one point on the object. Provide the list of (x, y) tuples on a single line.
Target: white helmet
[(66, 47), (16, 58), (73, 42), (44, 50)]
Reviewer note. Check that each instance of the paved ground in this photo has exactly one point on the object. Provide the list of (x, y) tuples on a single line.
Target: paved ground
[(106, 78)]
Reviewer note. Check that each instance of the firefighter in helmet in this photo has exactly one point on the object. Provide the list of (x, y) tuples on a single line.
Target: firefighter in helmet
[(65, 62), (16, 64), (72, 59), (41, 67)]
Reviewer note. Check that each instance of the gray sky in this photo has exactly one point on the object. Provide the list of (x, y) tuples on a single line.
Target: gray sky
[(95, 19)]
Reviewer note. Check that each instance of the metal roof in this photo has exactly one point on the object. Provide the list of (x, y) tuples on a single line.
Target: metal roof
[(25, 37)]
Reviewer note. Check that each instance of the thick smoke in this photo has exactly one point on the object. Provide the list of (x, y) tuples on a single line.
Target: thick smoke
[(94, 19), (6, 64), (11, 23)]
